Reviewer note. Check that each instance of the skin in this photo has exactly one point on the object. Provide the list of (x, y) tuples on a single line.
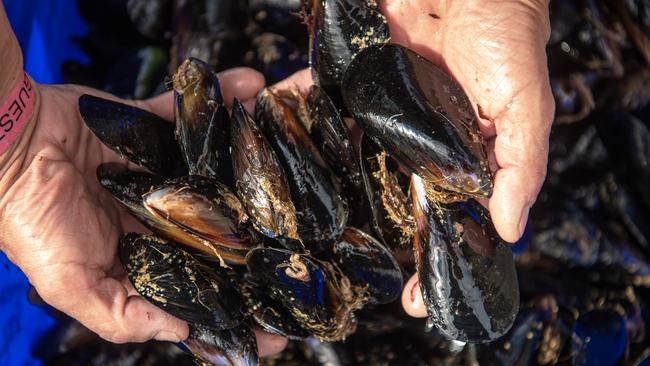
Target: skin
[(495, 49)]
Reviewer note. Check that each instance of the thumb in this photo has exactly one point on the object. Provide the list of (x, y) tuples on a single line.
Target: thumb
[(105, 307), (521, 152), (412, 299)]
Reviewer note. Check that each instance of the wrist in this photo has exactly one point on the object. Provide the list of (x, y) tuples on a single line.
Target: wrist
[(18, 115)]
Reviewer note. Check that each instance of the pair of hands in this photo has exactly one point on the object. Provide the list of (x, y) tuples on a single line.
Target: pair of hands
[(61, 228)]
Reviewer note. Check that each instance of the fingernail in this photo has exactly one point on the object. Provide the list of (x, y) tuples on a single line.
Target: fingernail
[(165, 335)]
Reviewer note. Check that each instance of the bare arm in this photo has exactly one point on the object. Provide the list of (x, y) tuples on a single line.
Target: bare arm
[(11, 64)]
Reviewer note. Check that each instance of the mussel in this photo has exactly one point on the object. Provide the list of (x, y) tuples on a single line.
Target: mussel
[(467, 274), (193, 210), (232, 347), (140, 136), (206, 210), (202, 121), (330, 134), (421, 117), (322, 214), (259, 178), (366, 262), (318, 296), (339, 29), (173, 280)]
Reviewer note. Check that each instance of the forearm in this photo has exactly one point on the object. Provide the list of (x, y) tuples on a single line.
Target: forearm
[(11, 58), (11, 74)]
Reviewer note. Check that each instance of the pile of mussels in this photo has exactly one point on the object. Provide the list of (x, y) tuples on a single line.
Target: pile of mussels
[(583, 263), (258, 220)]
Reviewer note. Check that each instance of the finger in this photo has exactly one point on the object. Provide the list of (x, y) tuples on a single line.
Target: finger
[(103, 305), (412, 299), (521, 151), (301, 79), (269, 344), (241, 83)]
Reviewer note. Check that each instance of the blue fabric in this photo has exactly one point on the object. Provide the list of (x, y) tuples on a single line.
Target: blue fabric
[(43, 29)]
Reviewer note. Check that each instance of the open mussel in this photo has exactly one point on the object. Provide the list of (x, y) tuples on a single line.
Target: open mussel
[(319, 297), (467, 274), (322, 214), (175, 281), (259, 178), (204, 208), (140, 136), (202, 121), (421, 117), (195, 211), (232, 347)]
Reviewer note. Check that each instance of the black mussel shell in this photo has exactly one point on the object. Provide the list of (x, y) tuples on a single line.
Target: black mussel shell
[(206, 210), (173, 280), (321, 212), (202, 121), (420, 116), (320, 300), (140, 136), (339, 29), (330, 135), (232, 347), (467, 273), (270, 314), (391, 219), (366, 262), (259, 178)]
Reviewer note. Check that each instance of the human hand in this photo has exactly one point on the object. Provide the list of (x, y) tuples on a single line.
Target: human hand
[(495, 49), (62, 228)]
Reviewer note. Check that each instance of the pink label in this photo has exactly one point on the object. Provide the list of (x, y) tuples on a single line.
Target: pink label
[(15, 111)]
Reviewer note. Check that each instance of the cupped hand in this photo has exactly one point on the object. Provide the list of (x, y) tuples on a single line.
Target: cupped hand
[(495, 49), (62, 228)]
